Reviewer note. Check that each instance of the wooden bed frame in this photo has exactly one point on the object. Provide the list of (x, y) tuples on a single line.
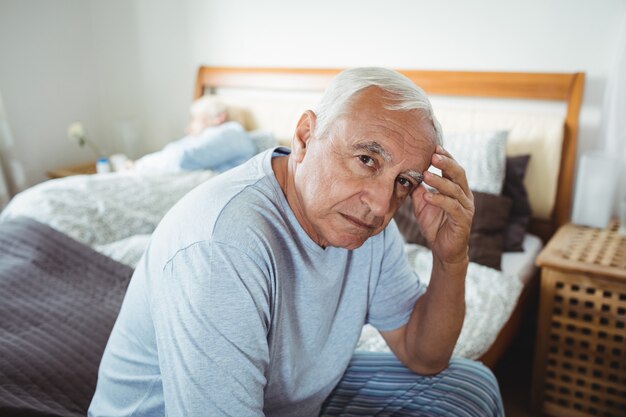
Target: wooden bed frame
[(561, 87)]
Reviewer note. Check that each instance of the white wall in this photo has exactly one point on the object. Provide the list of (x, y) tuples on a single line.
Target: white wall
[(135, 60), (47, 80), (145, 72), (117, 63), (533, 35)]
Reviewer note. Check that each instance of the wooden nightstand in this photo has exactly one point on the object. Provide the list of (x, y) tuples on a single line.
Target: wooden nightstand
[(82, 169), (580, 352)]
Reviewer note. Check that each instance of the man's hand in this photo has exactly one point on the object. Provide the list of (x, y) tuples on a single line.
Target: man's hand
[(445, 216), (426, 342)]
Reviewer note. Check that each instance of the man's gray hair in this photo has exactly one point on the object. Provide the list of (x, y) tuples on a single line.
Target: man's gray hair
[(209, 106), (402, 94)]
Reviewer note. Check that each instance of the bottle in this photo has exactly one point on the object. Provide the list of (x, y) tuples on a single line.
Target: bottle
[(102, 166)]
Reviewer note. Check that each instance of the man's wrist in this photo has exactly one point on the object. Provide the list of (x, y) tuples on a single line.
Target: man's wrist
[(453, 267)]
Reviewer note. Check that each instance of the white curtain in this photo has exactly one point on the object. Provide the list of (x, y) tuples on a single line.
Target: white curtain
[(614, 113)]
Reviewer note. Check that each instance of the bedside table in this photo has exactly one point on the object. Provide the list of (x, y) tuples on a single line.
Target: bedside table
[(82, 169), (580, 351)]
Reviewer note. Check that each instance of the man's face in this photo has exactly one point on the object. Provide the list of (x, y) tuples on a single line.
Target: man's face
[(199, 121), (350, 182)]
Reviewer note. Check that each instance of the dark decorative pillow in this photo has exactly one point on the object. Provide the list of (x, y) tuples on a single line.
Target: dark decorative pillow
[(520, 210), (491, 215)]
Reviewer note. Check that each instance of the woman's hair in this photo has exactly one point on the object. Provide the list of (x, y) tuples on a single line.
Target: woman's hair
[(401, 94), (209, 106)]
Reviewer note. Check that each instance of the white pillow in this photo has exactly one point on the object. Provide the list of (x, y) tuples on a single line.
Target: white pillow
[(482, 155)]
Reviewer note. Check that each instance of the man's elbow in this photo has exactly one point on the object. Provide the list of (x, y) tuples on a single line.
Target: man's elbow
[(428, 366)]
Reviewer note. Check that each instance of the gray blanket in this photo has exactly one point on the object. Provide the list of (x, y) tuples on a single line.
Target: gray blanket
[(58, 302)]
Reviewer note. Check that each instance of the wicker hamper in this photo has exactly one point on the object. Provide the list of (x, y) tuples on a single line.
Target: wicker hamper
[(580, 353)]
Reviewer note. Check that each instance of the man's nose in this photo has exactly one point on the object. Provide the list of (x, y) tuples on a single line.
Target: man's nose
[(377, 195)]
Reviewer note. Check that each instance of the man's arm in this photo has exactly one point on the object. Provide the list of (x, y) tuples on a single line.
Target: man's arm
[(426, 342), (218, 148), (211, 315)]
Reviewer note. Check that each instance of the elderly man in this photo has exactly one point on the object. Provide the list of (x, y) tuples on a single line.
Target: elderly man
[(251, 297)]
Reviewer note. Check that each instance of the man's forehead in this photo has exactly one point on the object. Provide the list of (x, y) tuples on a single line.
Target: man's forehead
[(373, 101)]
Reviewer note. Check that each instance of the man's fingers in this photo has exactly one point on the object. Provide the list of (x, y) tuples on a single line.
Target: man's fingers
[(450, 169), (453, 207), (417, 197), (448, 188), (453, 195)]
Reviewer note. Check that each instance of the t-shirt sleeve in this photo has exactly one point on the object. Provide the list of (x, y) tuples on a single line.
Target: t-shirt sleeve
[(398, 286), (211, 318)]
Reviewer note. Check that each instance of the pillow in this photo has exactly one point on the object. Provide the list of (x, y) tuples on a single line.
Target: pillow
[(514, 188), (482, 155), (491, 215)]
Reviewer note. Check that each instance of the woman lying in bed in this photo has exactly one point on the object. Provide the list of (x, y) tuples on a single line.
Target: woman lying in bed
[(212, 142)]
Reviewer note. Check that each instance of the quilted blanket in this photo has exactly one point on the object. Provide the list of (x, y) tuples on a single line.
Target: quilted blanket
[(59, 300), (490, 297)]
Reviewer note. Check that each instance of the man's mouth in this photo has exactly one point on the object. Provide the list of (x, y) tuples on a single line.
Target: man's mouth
[(358, 222)]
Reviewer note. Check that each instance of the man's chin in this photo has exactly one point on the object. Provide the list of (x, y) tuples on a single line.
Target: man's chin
[(349, 242), (349, 237)]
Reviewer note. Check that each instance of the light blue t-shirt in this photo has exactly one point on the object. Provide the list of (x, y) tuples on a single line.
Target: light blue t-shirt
[(217, 148), (234, 310)]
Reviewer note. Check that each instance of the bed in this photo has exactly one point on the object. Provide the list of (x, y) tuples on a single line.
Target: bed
[(68, 246)]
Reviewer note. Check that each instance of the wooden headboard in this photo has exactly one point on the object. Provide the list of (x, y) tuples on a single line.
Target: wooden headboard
[(561, 87)]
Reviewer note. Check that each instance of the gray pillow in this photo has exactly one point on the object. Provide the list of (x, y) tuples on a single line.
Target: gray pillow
[(482, 155)]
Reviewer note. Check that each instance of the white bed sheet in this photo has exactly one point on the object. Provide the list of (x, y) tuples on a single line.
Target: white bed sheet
[(490, 297), (522, 264)]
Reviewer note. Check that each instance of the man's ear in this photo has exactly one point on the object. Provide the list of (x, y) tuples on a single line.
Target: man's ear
[(304, 132)]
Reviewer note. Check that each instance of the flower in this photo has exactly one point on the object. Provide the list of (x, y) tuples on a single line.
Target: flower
[(76, 132)]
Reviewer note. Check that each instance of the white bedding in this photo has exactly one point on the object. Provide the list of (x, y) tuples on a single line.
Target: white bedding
[(109, 212), (490, 298), (523, 263), (116, 213)]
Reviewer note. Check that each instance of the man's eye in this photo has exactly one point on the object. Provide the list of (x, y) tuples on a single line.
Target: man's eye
[(405, 182), (367, 160)]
